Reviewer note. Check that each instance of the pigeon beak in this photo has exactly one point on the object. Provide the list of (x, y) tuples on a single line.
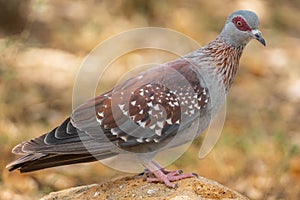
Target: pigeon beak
[(258, 36)]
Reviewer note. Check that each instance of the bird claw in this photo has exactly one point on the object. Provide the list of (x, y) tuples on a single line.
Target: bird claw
[(195, 175), (156, 173), (168, 177), (147, 173)]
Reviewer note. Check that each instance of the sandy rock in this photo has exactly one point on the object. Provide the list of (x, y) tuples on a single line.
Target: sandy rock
[(137, 188)]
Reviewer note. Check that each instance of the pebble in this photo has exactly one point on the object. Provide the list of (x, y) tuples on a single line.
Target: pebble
[(150, 192), (96, 194)]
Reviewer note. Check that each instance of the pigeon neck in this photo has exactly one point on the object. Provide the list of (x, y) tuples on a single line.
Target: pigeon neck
[(226, 58)]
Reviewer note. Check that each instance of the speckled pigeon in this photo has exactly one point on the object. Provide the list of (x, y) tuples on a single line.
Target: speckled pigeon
[(144, 113)]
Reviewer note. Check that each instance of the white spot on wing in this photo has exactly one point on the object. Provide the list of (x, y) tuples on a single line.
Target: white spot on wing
[(142, 124), (156, 140), (101, 114), (133, 103), (150, 104), (152, 126), (121, 106), (141, 92), (140, 140), (148, 140), (151, 112), (160, 124), (124, 138), (114, 132), (156, 107), (169, 121), (158, 132)]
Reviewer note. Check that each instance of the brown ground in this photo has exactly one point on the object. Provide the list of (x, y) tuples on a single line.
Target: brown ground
[(137, 188)]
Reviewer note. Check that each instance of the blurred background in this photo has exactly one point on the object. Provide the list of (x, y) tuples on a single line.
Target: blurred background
[(44, 42)]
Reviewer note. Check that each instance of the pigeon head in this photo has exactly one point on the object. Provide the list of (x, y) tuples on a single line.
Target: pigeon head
[(242, 26)]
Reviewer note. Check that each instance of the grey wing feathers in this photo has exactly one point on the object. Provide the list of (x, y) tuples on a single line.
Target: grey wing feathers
[(62, 146)]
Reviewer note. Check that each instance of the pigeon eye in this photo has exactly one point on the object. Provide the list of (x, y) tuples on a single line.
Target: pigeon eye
[(239, 23)]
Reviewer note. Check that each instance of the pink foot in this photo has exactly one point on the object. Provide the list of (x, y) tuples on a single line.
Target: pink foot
[(165, 176)]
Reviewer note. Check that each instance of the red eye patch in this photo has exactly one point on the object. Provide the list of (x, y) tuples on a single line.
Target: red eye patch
[(241, 24)]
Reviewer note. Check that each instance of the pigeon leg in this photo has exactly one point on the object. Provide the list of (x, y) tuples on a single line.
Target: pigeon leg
[(165, 176)]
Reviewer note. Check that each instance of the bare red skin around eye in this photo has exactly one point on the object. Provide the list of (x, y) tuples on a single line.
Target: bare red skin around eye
[(244, 26)]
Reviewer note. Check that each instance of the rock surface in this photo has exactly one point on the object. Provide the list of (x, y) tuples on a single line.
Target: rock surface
[(137, 188)]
